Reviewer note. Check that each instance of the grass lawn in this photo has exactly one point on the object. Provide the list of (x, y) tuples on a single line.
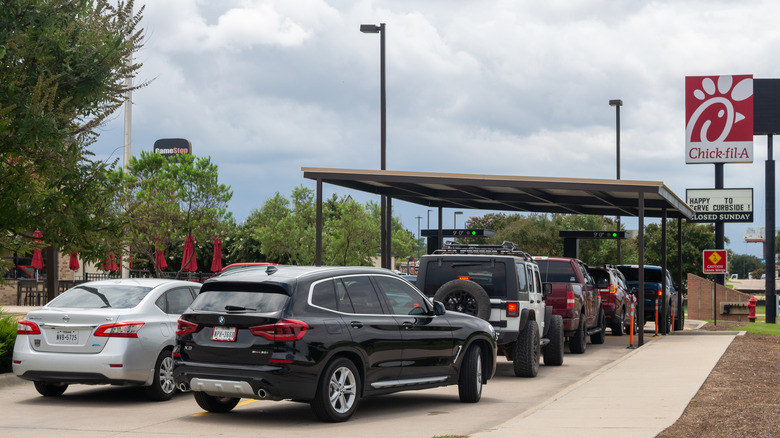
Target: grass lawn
[(760, 328)]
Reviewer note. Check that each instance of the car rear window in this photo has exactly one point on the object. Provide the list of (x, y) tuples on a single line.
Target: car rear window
[(557, 271), (258, 298), (491, 275), (632, 274), (112, 296)]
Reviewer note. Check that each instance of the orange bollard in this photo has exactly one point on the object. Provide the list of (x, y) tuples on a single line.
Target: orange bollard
[(631, 330), (656, 317), (671, 329)]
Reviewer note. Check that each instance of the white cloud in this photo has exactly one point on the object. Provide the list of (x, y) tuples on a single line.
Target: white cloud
[(474, 86)]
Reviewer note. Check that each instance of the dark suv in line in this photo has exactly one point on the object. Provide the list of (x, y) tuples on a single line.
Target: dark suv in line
[(326, 336), (615, 298)]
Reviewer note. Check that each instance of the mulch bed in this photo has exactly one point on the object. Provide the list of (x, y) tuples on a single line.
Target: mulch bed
[(741, 397)]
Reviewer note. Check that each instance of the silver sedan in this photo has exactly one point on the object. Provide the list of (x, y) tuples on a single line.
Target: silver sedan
[(104, 332)]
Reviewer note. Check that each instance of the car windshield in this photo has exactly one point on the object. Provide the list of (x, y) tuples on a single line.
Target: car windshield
[(116, 296), (632, 274)]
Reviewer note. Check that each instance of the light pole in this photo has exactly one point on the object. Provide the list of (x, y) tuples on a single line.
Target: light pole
[(386, 204), (429, 219), (455, 219), (617, 103)]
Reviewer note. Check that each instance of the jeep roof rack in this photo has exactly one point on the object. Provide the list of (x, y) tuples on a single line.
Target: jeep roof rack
[(506, 248)]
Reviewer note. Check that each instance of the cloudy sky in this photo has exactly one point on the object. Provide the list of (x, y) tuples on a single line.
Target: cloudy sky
[(500, 87)]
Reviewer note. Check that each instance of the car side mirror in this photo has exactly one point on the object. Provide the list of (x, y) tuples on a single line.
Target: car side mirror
[(546, 290), (438, 308)]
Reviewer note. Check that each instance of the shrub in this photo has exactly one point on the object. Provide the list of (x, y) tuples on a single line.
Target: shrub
[(7, 339)]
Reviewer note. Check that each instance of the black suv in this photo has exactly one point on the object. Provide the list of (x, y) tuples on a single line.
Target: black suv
[(500, 284), (326, 336)]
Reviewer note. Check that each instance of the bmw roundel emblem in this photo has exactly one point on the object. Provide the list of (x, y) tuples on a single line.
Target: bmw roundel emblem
[(221, 320)]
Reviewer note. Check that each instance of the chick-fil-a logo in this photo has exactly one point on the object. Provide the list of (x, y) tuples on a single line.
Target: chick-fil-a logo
[(719, 119)]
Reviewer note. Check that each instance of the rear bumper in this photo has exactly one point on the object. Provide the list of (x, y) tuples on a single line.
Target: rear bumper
[(278, 382), (120, 362)]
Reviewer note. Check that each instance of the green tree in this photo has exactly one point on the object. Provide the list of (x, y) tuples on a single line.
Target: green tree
[(350, 235), (63, 65), (169, 198), (537, 234), (743, 264)]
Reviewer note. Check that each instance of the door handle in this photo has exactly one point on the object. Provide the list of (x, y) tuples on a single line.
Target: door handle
[(356, 324), (408, 325)]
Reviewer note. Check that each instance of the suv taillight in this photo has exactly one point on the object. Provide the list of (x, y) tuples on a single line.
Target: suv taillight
[(184, 327), (660, 293), (512, 310), (24, 327), (612, 289), (285, 330), (119, 330), (569, 299)]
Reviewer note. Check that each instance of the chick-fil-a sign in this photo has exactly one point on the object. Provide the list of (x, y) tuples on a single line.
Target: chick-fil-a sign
[(719, 119)]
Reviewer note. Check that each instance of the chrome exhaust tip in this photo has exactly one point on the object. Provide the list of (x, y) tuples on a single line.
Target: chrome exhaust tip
[(262, 393), (183, 387)]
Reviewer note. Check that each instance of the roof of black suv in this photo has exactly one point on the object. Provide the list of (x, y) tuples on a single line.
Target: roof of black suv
[(287, 273)]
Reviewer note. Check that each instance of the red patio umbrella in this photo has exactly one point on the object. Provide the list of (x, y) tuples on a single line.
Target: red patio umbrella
[(216, 263), (188, 262), (109, 264), (73, 265), (37, 260), (159, 257)]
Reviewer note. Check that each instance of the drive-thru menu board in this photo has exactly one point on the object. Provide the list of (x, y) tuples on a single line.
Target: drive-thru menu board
[(720, 205)]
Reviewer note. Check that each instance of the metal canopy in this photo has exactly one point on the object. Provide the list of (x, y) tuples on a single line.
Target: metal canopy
[(511, 193)]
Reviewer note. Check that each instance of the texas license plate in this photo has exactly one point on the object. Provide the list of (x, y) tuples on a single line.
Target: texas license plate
[(66, 337), (225, 334)]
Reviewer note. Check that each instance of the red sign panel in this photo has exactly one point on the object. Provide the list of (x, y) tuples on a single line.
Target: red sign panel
[(715, 261), (719, 119)]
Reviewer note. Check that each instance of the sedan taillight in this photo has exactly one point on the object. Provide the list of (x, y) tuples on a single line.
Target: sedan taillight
[(24, 327), (285, 330), (119, 330), (185, 327)]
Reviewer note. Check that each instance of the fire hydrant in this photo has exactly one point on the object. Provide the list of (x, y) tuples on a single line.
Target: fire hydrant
[(751, 305)]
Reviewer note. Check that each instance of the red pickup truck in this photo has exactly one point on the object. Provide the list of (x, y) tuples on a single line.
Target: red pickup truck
[(575, 297)]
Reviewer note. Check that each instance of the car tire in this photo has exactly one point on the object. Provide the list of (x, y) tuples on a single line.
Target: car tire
[(338, 393), (579, 341), (47, 389), (619, 324), (553, 351), (163, 386), (600, 337), (470, 377), (668, 319), (464, 296), (215, 404), (527, 351)]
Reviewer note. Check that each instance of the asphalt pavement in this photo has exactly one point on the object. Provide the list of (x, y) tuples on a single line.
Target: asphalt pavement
[(611, 401)]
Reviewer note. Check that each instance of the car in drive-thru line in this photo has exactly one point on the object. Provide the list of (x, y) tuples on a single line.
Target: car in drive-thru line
[(574, 297), (328, 336), (118, 332), (653, 293), (616, 298), (500, 284)]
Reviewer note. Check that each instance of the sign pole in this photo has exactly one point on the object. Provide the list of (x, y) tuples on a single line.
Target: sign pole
[(769, 236)]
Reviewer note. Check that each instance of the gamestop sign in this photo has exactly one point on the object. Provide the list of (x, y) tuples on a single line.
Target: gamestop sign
[(719, 119)]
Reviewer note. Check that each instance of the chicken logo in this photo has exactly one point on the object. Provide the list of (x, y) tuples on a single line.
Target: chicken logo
[(719, 119)]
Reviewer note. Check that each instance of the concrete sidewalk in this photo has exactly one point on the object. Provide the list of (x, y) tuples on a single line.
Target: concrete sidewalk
[(639, 395)]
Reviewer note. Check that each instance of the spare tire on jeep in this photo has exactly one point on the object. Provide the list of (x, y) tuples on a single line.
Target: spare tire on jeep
[(464, 296)]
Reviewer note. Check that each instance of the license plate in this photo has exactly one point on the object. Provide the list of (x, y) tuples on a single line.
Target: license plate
[(66, 337), (225, 334)]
